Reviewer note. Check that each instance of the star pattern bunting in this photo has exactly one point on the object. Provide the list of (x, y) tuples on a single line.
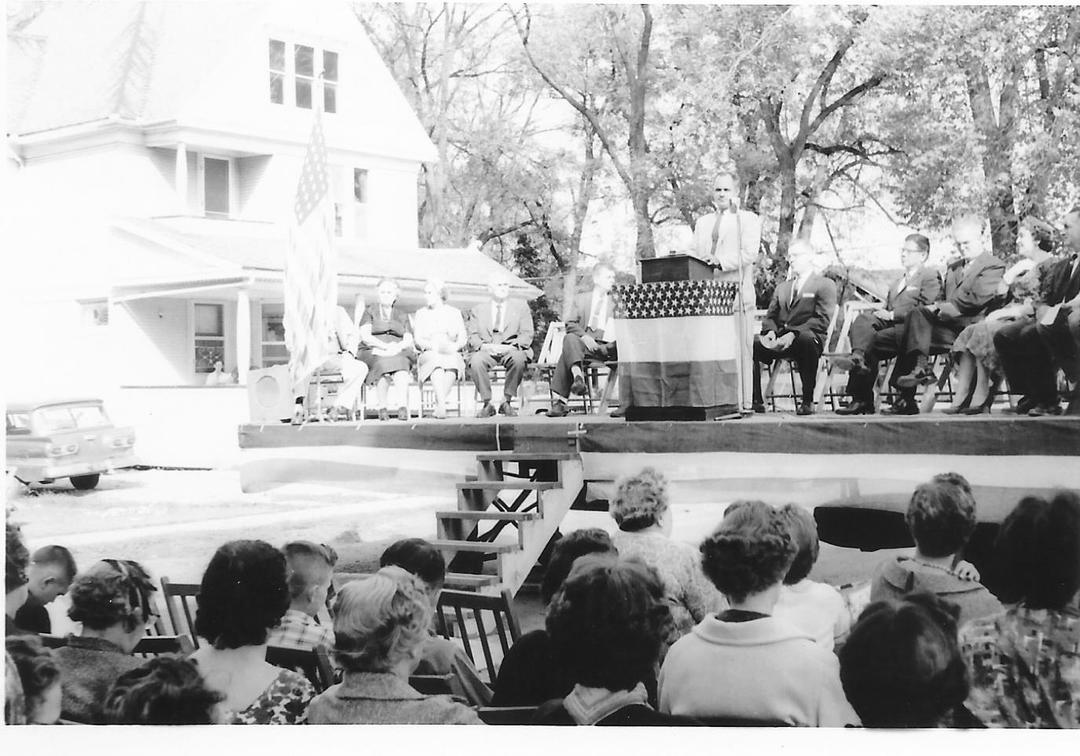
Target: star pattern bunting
[(313, 185), (674, 299)]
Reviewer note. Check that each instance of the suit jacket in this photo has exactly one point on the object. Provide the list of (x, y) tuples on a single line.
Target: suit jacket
[(811, 312), (972, 287), (518, 329), (581, 310), (923, 288), (1058, 284)]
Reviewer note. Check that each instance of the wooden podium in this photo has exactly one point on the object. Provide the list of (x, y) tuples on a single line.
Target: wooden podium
[(676, 268)]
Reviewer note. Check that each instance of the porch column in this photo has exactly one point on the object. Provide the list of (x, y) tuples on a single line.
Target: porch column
[(243, 334), (181, 177)]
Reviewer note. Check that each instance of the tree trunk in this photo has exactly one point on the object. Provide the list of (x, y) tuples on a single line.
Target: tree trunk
[(997, 140), (568, 265), (637, 76), (788, 195)]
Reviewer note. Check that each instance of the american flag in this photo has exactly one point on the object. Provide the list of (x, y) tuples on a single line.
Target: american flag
[(310, 265), (674, 299)]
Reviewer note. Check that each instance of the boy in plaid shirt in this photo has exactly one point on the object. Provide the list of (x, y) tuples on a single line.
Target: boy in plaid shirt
[(309, 568)]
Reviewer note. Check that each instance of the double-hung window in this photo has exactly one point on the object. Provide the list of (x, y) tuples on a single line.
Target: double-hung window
[(301, 75)]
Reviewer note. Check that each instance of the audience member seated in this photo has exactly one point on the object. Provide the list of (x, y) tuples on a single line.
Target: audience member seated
[(51, 570), (14, 701), (941, 519), (590, 336), (901, 666), (381, 624), (1024, 662), (439, 656), (243, 595), (607, 625), (796, 324), (165, 691), (973, 351), (39, 677), (500, 333), (817, 608), (386, 347), (308, 570), (920, 285), (641, 510), (16, 565), (440, 335), (743, 663), (113, 601), (529, 675)]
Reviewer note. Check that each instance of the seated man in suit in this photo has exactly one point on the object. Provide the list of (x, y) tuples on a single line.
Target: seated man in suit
[(1031, 352), (920, 285), (343, 340), (500, 333), (589, 336), (796, 324), (969, 288)]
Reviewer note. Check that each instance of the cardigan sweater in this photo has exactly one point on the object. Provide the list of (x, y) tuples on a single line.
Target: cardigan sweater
[(384, 698), (88, 668), (895, 578)]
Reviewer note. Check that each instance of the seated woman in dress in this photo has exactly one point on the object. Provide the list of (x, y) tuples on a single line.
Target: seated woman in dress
[(901, 666), (386, 347), (529, 674), (380, 625), (977, 359), (1024, 662), (439, 333), (113, 601), (642, 512), (39, 677), (167, 690), (242, 596), (816, 607), (743, 664), (607, 624)]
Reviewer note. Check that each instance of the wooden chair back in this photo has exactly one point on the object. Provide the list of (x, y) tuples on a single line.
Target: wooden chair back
[(155, 645), (506, 715), (181, 602), (433, 685), (314, 665), (53, 641), (454, 612)]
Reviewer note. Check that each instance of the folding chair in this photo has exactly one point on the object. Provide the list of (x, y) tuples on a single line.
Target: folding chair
[(506, 715), (314, 665), (181, 602), (426, 396), (833, 357), (792, 368), (456, 603), (155, 645), (53, 641), (433, 685)]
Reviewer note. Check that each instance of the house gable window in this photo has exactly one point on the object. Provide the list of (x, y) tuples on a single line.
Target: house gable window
[(295, 78), (209, 328)]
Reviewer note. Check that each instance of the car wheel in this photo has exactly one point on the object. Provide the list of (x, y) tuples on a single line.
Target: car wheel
[(85, 482)]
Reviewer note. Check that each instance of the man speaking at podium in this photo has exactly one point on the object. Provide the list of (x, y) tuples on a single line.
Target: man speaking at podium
[(731, 238)]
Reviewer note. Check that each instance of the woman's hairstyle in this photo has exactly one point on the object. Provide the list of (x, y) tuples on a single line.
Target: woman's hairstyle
[(803, 531), (750, 551), (112, 592), (901, 665), (919, 241), (306, 565), (381, 620), (566, 551), (607, 622), (16, 558), (167, 690), (639, 500), (1041, 232), (417, 556), (14, 699), (243, 594), (37, 668), (1039, 548), (440, 286), (941, 515)]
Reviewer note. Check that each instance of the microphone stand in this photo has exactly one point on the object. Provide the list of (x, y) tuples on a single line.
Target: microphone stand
[(740, 314)]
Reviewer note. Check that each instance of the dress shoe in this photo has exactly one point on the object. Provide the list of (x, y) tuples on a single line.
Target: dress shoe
[(1045, 410), (507, 409), (856, 407), (558, 409), (921, 377), (806, 408), (488, 410), (384, 414), (902, 407), (758, 407), (619, 411), (982, 409), (577, 387), (403, 413), (1073, 407), (1025, 405), (439, 413), (858, 363)]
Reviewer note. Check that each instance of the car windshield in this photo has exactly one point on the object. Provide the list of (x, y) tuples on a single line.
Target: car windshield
[(71, 417), (18, 422)]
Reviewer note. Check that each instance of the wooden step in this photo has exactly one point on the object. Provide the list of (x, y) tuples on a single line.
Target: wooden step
[(487, 514), (481, 547), (525, 456), (508, 485), (461, 580)]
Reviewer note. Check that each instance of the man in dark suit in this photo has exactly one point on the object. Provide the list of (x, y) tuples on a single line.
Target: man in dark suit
[(796, 324), (920, 285), (1032, 351), (589, 336), (969, 287), (500, 333)]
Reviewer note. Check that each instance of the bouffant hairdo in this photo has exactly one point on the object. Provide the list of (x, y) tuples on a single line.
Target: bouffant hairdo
[(639, 500), (242, 595), (381, 620), (167, 690), (111, 592), (901, 665), (16, 558), (566, 551), (37, 667), (804, 533), (1039, 545), (941, 515), (750, 551), (417, 556), (607, 622)]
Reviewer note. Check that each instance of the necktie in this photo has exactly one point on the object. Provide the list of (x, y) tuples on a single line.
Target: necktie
[(500, 317), (716, 234), (385, 313), (1073, 287), (794, 292), (596, 321)]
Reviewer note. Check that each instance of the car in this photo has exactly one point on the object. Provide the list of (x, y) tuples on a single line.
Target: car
[(65, 438)]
